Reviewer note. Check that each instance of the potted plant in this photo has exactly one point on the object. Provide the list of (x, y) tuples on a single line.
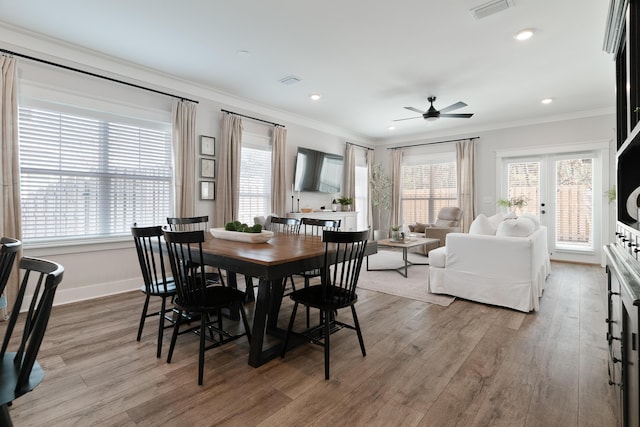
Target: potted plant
[(395, 232), (380, 199), (516, 202), (345, 203)]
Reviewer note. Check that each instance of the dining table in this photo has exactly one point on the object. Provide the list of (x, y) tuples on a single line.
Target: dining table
[(270, 263)]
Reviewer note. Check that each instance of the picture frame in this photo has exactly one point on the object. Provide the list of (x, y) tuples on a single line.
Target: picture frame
[(207, 145), (207, 190), (207, 168)]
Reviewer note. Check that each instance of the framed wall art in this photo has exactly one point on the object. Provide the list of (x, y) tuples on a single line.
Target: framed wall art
[(207, 190), (207, 145), (207, 168)]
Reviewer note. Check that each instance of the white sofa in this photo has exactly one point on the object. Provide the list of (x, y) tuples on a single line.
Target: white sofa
[(493, 268)]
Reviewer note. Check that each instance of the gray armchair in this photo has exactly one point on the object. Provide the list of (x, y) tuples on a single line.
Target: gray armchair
[(448, 221)]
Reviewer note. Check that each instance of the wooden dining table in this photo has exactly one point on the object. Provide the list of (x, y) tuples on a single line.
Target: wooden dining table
[(271, 263)]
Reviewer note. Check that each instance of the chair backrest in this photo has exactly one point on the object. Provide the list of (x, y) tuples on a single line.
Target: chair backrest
[(8, 251), (284, 225), (194, 223), (185, 257), (42, 277), (449, 217), (315, 226), (151, 257), (343, 255)]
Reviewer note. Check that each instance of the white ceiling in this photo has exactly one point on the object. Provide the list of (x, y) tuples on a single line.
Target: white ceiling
[(367, 59)]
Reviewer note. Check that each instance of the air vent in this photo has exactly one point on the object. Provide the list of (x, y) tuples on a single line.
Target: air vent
[(491, 8), (289, 80)]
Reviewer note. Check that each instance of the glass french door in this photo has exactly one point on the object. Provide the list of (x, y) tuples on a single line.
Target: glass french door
[(560, 190)]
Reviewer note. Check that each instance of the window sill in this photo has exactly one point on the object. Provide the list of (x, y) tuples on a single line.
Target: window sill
[(67, 247)]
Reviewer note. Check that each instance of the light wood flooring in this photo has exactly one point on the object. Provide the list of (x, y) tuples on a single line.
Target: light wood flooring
[(467, 365)]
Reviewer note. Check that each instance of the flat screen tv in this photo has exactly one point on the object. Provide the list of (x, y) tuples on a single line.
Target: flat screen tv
[(318, 171)]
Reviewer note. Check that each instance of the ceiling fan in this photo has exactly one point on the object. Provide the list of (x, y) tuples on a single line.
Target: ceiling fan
[(432, 113)]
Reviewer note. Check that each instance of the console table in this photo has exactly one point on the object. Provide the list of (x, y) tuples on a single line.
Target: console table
[(348, 220)]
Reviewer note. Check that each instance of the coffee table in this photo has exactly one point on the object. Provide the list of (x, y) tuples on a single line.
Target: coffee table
[(404, 245)]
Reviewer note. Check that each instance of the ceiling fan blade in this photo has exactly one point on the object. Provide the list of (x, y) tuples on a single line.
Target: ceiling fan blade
[(460, 115), (415, 110), (408, 118), (453, 107)]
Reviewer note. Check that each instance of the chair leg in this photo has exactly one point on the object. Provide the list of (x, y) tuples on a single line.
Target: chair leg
[(289, 328), (327, 334), (220, 277), (161, 326), (174, 336), (5, 419), (143, 317), (203, 326), (308, 311), (358, 331)]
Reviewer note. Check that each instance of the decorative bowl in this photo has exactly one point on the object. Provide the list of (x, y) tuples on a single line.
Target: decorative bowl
[(239, 236)]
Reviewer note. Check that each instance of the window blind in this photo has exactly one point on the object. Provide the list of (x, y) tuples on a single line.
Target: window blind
[(255, 183), (86, 177), (426, 188)]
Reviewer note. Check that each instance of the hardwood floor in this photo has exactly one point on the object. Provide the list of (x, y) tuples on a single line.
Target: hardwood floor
[(467, 364)]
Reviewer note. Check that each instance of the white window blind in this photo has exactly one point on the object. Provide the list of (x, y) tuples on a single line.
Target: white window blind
[(83, 176), (255, 182), (426, 188), (524, 181), (574, 203)]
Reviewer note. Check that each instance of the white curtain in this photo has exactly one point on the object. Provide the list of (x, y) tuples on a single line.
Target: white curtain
[(349, 189), (465, 167), (370, 155), (184, 154), (228, 181), (11, 215), (278, 171), (396, 187)]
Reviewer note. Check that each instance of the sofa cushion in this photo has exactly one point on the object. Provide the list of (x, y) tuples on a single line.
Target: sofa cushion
[(532, 217), (482, 225), (438, 257), (520, 227)]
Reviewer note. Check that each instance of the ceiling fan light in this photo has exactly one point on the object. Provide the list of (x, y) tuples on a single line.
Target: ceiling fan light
[(431, 119)]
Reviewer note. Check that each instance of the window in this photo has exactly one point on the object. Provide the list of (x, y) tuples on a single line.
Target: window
[(86, 175), (574, 203), (426, 188), (255, 178)]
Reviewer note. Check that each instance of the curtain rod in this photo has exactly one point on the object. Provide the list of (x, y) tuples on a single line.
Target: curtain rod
[(431, 143), (358, 145), (89, 73), (253, 118)]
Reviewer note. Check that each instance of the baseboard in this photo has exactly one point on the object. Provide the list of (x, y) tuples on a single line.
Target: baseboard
[(68, 296)]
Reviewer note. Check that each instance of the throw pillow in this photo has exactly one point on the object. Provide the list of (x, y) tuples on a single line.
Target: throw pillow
[(511, 215), (496, 219), (419, 227), (521, 227), (532, 217), (482, 225)]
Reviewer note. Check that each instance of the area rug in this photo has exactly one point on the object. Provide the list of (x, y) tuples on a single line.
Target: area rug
[(392, 282)]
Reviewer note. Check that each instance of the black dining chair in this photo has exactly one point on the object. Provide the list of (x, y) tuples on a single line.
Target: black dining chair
[(20, 372), (343, 255), (157, 283), (195, 296), (315, 227), (8, 250), (195, 223)]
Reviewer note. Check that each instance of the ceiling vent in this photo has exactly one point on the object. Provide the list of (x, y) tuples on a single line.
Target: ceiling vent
[(289, 80), (491, 8)]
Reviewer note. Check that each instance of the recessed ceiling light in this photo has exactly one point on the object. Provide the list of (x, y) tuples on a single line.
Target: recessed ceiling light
[(547, 101), (524, 35), (243, 53), (391, 128), (315, 96)]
